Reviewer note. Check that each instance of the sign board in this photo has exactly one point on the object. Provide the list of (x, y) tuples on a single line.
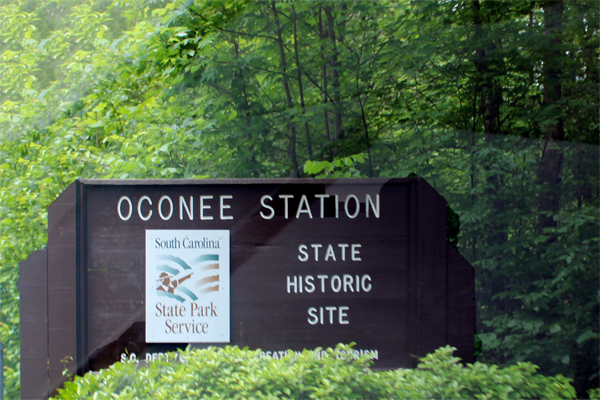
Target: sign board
[(136, 268), (187, 286)]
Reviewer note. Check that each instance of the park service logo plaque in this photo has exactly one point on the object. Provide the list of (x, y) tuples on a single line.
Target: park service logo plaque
[(187, 286)]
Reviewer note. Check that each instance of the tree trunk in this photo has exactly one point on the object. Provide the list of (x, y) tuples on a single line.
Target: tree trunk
[(300, 87), (489, 97), (335, 78), (322, 36), (497, 232), (552, 153), (288, 94), (244, 109)]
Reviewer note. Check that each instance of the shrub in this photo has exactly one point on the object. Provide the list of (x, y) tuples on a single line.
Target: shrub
[(233, 373)]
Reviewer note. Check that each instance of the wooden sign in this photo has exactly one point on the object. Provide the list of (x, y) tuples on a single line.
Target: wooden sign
[(136, 268)]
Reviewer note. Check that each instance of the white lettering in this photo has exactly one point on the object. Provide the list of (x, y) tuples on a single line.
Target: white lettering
[(375, 206), (331, 310), (336, 283), (303, 201), (121, 200), (206, 207), (316, 247), (316, 315), (356, 202), (337, 207), (322, 198), (348, 283), (309, 285), (330, 254), (330, 251), (262, 202), (139, 208), (304, 255), (342, 315), (189, 210), (293, 284), (163, 198), (312, 312), (285, 198), (355, 252), (322, 278), (345, 283), (343, 247), (225, 206), (365, 288)]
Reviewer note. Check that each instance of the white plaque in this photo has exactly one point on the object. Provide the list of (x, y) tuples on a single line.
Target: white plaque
[(187, 286)]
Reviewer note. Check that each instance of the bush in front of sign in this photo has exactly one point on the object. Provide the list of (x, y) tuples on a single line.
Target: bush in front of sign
[(441, 376), (239, 373)]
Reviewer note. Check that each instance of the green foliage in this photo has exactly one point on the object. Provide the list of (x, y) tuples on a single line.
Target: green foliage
[(451, 91), (234, 373), (453, 226), (344, 167)]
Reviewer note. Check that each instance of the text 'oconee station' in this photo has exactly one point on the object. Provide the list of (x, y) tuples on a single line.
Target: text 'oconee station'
[(209, 207)]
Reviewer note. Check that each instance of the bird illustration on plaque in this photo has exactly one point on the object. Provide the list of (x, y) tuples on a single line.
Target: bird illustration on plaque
[(187, 286)]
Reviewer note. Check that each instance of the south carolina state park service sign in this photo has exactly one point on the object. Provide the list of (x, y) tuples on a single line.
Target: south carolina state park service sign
[(187, 286)]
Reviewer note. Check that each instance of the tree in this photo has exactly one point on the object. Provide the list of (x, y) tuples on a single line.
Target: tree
[(494, 111), (494, 103)]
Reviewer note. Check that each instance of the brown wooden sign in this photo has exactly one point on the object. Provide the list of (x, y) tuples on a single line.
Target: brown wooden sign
[(302, 264)]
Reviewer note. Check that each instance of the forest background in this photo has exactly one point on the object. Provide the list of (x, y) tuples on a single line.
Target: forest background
[(494, 103)]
